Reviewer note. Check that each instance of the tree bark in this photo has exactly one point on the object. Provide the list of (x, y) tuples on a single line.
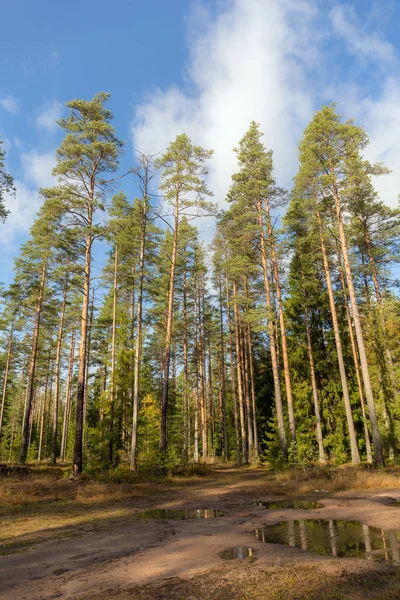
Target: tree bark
[(167, 352), (32, 367), (78, 445), (285, 354), (239, 371), (58, 371), (64, 438), (6, 372), (271, 333), (355, 456), (139, 335), (321, 450), (253, 394), (113, 355), (376, 436), (355, 358), (224, 433), (185, 364), (233, 378)]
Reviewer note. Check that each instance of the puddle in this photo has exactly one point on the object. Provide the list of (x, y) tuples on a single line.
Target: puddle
[(387, 500), (166, 513), (347, 539), (237, 552), (300, 504)]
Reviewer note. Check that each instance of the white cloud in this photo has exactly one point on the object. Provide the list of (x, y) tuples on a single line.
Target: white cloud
[(360, 42), (248, 63), (381, 118), (251, 62), (38, 168), (25, 204), (9, 104), (47, 118)]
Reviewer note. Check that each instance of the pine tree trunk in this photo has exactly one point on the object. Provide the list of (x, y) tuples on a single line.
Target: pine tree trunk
[(65, 428), (6, 372), (285, 354), (185, 364), (88, 347), (224, 433), (239, 370), (113, 355), (211, 403), (58, 371), (196, 386), (167, 352), (203, 402), (233, 378), (40, 420), (43, 412), (378, 295), (355, 456), (271, 333), (246, 379), (355, 358), (32, 367), (253, 394), (321, 450), (78, 445), (376, 436), (139, 335)]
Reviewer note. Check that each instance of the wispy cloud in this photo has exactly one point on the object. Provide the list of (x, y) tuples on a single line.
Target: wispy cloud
[(8, 103), (48, 116), (359, 41)]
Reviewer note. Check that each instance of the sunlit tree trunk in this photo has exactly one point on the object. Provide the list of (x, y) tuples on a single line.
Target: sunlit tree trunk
[(355, 456), (6, 372), (67, 407), (253, 394), (233, 373), (224, 433), (321, 450), (239, 370), (356, 363), (78, 445), (271, 333), (167, 352), (58, 371), (32, 367), (376, 436), (88, 348), (113, 355), (285, 354)]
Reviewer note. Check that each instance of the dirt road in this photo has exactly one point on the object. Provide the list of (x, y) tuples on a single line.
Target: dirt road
[(145, 552)]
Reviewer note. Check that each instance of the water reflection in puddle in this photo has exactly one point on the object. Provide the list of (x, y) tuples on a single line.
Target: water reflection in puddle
[(237, 552), (299, 504), (349, 539), (166, 513)]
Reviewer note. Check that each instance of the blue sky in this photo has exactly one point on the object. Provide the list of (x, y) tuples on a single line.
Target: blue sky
[(205, 67)]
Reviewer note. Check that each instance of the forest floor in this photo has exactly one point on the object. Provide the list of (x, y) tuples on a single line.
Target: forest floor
[(62, 538)]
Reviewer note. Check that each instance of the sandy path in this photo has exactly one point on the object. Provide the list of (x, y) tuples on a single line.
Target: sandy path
[(135, 552)]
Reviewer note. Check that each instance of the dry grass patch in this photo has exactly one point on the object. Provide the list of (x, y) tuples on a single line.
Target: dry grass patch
[(304, 481), (283, 583)]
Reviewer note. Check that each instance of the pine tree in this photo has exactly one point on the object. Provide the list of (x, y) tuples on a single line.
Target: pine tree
[(184, 188), (88, 151)]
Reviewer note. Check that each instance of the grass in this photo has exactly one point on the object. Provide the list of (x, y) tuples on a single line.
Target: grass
[(298, 482), (279, 583)]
